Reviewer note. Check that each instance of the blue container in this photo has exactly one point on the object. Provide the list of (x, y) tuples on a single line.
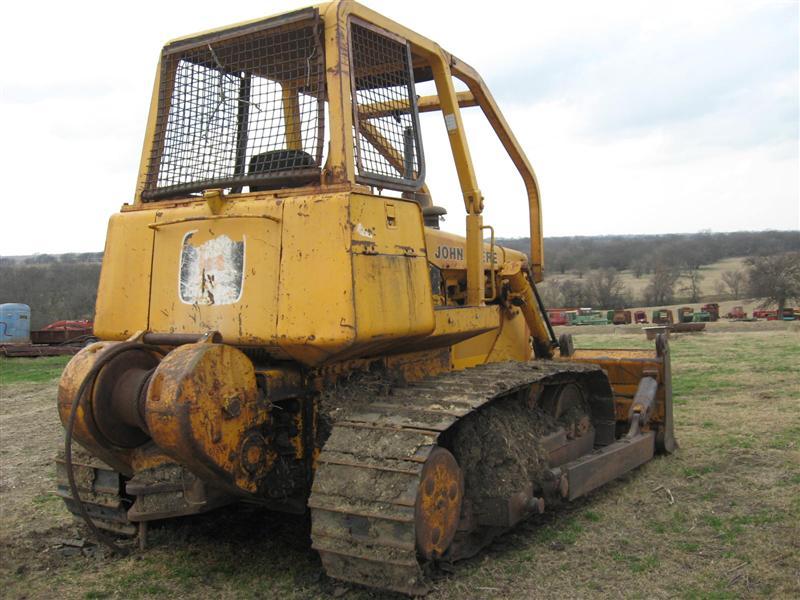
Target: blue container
[(15, 324)]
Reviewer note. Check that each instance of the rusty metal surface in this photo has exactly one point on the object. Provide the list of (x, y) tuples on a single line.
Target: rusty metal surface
[(85, 430), (625, 368), (643, 401), (101, 491), (686, 327), (204, 410), (590, 472), (62, 335), (665, 436), (653, 331), (438, 506), (170, 490), (115, 398)]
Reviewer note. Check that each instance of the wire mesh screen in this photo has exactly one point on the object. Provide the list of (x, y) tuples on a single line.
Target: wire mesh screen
[(240, 110), (386, 124)]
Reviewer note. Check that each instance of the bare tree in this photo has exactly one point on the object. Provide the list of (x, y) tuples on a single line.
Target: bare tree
[(735, 281), (550, 292), (661, 288), (606, 288), (639, 267), (692, 277), (575, 293), (775, 278)]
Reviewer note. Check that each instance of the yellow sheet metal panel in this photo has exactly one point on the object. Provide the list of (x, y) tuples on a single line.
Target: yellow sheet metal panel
[(448, 251), (386, 226), (534, 316), (218, 272), (457, 323), (353, 276), (390, 272), (124, 289), (393, 297), (316, 315), (513, 341), (510, 341)]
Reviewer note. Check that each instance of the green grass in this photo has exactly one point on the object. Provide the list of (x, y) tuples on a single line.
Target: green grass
[(637, 564), (44, 499), (31, 370), (565, 533), (786, 438), (590, 515)]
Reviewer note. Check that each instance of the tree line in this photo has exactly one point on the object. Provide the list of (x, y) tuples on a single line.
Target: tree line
[(585, 271), (775, 279), (54, 291), (65, 286), (643, 254)]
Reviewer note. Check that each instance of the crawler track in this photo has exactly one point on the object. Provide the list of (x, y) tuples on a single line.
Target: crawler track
[(368, 473), (101, 491)]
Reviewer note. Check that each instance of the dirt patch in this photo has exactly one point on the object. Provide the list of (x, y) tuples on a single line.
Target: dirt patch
[(31, 434), (33, 520)]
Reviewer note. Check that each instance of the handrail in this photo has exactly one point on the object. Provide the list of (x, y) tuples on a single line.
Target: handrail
[(481, 92)]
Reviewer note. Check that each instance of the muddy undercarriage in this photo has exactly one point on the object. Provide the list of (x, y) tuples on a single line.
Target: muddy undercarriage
[(414, 474)]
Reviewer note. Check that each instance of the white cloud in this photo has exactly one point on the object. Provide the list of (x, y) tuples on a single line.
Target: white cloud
[(638, 117)]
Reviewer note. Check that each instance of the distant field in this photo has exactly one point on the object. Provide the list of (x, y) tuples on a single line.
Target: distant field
[(720, 519), (709, 286)]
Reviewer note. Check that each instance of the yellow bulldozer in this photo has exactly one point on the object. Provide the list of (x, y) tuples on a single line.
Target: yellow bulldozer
[(282, 321)]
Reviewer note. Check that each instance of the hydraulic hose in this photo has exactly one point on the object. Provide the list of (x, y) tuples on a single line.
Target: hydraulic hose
[(88, 381)]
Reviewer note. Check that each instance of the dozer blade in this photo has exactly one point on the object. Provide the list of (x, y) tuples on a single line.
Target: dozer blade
[(626, 369)]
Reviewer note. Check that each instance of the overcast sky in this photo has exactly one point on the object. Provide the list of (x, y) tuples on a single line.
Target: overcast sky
[(639, 117)]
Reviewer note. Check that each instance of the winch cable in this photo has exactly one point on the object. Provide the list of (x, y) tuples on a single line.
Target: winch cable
[(88, 381)]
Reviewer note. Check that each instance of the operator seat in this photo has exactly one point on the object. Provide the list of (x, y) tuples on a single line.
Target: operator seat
[(291, 168)]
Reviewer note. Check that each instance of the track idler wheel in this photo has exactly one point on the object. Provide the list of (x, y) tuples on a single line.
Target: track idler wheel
[(438, 505)]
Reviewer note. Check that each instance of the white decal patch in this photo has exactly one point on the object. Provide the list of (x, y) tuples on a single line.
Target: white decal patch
[(450, 122), (213, 272), (364, 232)]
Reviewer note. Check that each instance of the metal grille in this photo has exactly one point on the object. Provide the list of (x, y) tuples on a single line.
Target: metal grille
[(241, 110), (386, 124)]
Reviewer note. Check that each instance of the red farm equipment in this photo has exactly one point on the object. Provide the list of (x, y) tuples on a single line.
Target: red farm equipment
[(557, 316), (712, 309), (58, 338), (63, 332), (737, 312)]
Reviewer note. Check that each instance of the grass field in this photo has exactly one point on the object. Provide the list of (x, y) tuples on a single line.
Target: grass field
[(719, 519), (38, 370)]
